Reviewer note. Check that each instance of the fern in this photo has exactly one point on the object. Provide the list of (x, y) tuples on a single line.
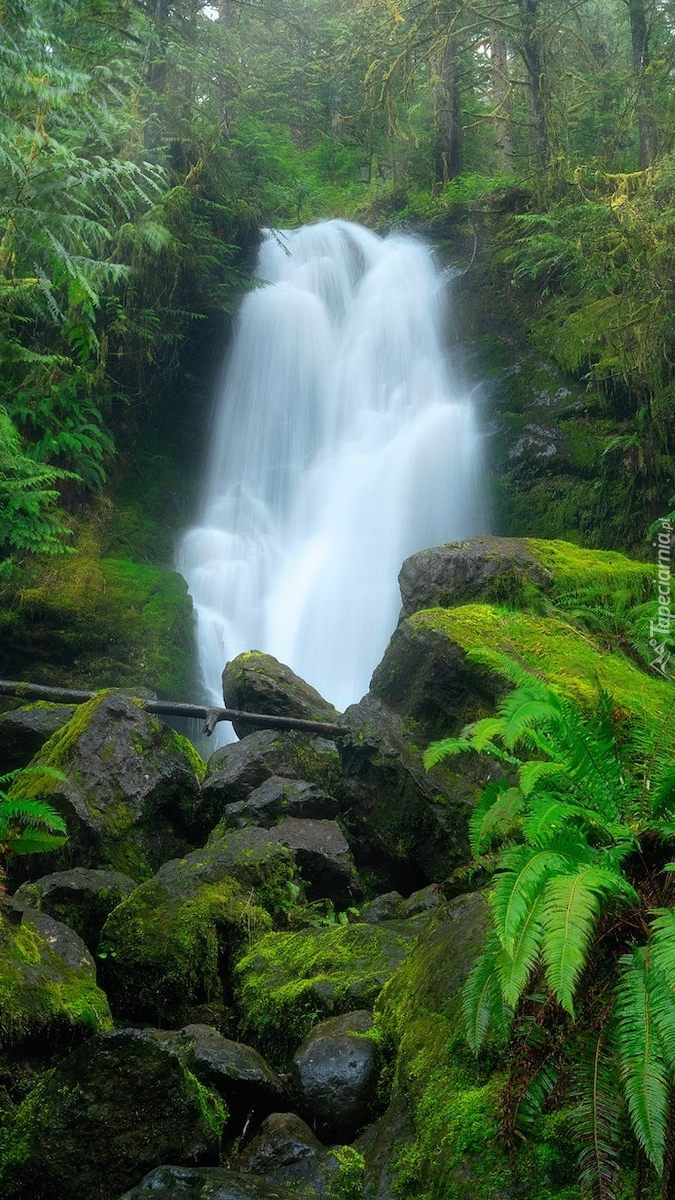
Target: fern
[(597, 1117), (639, 1051), (483, 1004)]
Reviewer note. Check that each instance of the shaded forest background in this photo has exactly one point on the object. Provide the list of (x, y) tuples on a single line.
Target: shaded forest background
[(142, 147)]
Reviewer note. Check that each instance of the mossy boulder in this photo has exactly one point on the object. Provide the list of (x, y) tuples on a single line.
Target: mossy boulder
[(132, 784), (278, 798), (323, 857), (259, 683), (237, 769), (288, 980), (24, 731), (82, 898), (111, 1110), (166, 951), (494, 568), (96, 621), (455, 1103), (49, 998), (286, 1151)]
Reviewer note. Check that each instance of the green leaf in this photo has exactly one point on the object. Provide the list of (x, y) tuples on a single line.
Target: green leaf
[(639, 1051), (482, 1002)]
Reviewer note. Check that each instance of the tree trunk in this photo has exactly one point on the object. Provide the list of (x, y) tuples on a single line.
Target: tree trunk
[(639, 35), (532, 51), (447, 152), (501, 99)]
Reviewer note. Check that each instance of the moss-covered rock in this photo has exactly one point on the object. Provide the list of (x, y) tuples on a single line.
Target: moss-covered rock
[(130, 793), (49, 998), (259, 683), (494, 568), (166, 951), (83, 898), (288, 980), (115, 1107), (214, 1183), (456, 1105), (100, 622)]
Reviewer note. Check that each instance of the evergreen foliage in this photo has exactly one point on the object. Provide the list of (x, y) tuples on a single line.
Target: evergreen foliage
[(28, 825), (578, 975)]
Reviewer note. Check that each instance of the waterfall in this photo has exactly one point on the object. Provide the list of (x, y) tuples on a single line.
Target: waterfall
[(340, 446)]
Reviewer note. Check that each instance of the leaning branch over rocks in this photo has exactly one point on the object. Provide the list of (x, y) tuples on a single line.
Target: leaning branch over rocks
[(169, 708)]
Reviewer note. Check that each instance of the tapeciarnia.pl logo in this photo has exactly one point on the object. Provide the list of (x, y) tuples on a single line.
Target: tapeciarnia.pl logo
[(659, 630)]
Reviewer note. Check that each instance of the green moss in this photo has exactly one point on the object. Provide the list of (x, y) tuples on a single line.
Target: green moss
[(40, 997), (105, 622), (569, 659), (161, 955), (184, 746), (287, 981), (593, 575)]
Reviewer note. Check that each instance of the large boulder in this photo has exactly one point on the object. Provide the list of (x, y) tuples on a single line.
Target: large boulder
[(248, 1085), (258, 683), (131, 788), (287, 980), (337, 1071), (106, 1114), (498, 569), (82, 898), (165, 952), (24, 731), (237, 769)]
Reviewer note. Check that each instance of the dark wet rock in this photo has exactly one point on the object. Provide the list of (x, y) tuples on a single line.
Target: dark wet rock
[(49, 998), (209, 1183), (386, 907), (247, 1084), (114, 1108), (287, 979), (410, 823), (496, 569), (423, 901), (279, 797), (337, 1070), (324, 858), (286, 1151), (131, 789), (258, 683), (24, 731), (237, 769), (83, 898), (165, 950)]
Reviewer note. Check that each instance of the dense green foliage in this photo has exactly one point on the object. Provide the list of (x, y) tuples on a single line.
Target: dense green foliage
[(28, 825), (579, 971)]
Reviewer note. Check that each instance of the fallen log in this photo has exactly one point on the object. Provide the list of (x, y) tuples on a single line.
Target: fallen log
[(169, 708)]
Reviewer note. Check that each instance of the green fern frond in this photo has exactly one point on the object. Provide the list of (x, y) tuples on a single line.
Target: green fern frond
[(524, 872), (532, 1101), (483, 1005), (532, 772), (446, 748), (598, 1117), (514, 969), (572, 905), (638, 1048), (495, 817)]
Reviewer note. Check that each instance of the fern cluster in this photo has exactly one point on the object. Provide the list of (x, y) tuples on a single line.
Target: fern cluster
[(578, 973), (28, 825)]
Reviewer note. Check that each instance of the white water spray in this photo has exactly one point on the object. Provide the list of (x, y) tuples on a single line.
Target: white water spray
[(341, 447)]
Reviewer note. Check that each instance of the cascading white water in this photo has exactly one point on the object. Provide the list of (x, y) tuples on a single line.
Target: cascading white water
[(340, 447)]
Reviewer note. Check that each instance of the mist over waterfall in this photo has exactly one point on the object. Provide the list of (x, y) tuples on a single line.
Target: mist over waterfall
[(341, 445)]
